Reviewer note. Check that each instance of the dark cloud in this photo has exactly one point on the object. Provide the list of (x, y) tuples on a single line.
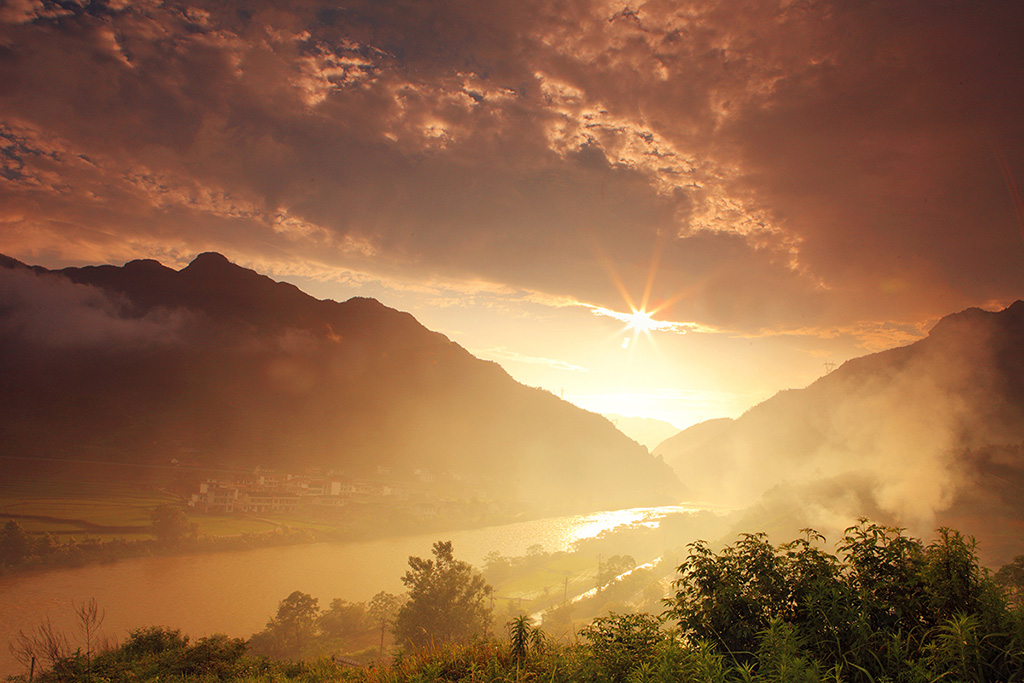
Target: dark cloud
[(887, 157), (790, 164)]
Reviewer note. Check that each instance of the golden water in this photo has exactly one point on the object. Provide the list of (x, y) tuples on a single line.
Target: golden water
[(236, 592)]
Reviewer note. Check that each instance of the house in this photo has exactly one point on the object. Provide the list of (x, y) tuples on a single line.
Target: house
[(214, 498), (267, 501)]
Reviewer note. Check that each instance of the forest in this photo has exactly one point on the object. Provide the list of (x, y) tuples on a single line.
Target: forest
[(883, 607)]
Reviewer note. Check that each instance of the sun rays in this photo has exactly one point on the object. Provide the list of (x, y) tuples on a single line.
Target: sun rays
[(640, 319)]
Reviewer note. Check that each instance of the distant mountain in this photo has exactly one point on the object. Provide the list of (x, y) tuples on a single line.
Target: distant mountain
[(217, 364), (694, 438), (643, 430), (925, 434)]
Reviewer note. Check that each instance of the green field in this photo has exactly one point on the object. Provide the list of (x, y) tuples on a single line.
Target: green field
[(78, 506), (103, 509), (575, 567)]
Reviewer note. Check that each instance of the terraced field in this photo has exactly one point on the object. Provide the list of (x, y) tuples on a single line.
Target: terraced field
[(79, 504), (63, 506), (102, 509)]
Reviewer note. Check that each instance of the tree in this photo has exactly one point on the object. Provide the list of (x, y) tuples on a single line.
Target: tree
[(171, 525), (345, 619), (733, 595), (294, 626), (382, 609), (89, 618), (42, 644), (887, 604), (447, 601), (15, 544), (1010, 578), (612, 567)]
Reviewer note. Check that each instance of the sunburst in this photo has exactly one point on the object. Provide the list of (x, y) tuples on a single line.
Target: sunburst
[(641, 321)]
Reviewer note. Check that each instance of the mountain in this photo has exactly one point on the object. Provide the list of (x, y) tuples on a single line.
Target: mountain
[(694, 438), (921, 435), (644, 430), (218, 365)]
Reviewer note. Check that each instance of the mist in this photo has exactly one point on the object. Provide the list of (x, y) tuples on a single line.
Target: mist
[(52, 311), (892, 435), (298, 433)]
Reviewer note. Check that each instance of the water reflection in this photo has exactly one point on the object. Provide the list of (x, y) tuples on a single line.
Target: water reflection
[(236, 592), (591, 526)]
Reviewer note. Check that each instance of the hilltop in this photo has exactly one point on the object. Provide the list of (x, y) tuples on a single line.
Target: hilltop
[(217, 365)]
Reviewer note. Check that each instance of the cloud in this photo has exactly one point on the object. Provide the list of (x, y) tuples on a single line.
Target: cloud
[(50, 311), (502, 354), (787, 165), (649, 323)]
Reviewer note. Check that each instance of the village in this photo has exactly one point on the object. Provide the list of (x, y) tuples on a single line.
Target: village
[(335, 496)]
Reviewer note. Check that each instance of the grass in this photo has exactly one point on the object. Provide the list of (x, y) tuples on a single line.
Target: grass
[(77, 505), (577, 567)]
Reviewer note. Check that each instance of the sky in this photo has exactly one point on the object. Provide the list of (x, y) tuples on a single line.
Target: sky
[(776, 187)]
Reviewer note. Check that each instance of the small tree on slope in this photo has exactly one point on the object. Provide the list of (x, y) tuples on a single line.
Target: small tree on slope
[(447, 601)]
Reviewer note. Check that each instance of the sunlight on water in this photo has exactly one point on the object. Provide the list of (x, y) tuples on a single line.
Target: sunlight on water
[(235, 592), (593, 525), (556, 534)]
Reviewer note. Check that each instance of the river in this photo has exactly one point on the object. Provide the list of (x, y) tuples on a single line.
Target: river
[(236, 592)]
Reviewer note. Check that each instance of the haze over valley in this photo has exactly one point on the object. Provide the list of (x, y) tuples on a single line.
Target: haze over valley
[(338, 308), (217, 366), (216, 390)]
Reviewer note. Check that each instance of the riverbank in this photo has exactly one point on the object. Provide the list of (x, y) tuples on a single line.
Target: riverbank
[(45, 551), (754, 611), (235, 591)]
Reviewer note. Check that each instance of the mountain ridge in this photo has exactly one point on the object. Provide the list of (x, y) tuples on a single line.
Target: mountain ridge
[(919, 435), (219, 363)]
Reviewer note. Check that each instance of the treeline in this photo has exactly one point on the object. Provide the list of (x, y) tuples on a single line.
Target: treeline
[(884, 607), (21, 551), (301, 630), (175, 533)]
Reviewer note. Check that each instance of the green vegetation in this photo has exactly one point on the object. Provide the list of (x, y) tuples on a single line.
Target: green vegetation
[(301, 630), (885, 607), (887, 604), (447, 601), (20, 551), (170, 524), (538, 573), (57, 505)]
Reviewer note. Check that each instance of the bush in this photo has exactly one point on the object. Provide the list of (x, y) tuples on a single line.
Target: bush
[(153, 640), (623, 643), (886, 604)]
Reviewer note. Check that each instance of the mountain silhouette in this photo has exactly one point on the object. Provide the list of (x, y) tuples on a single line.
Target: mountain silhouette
[(218, 365), (926, 434)]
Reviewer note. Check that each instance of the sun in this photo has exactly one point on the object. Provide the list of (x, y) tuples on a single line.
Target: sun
[(641, 321)]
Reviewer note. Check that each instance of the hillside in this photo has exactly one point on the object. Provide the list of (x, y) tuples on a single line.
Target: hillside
[(925, 434), (218, 365)]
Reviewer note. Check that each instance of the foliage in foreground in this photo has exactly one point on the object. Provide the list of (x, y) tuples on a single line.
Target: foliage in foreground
[(887, 608)]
